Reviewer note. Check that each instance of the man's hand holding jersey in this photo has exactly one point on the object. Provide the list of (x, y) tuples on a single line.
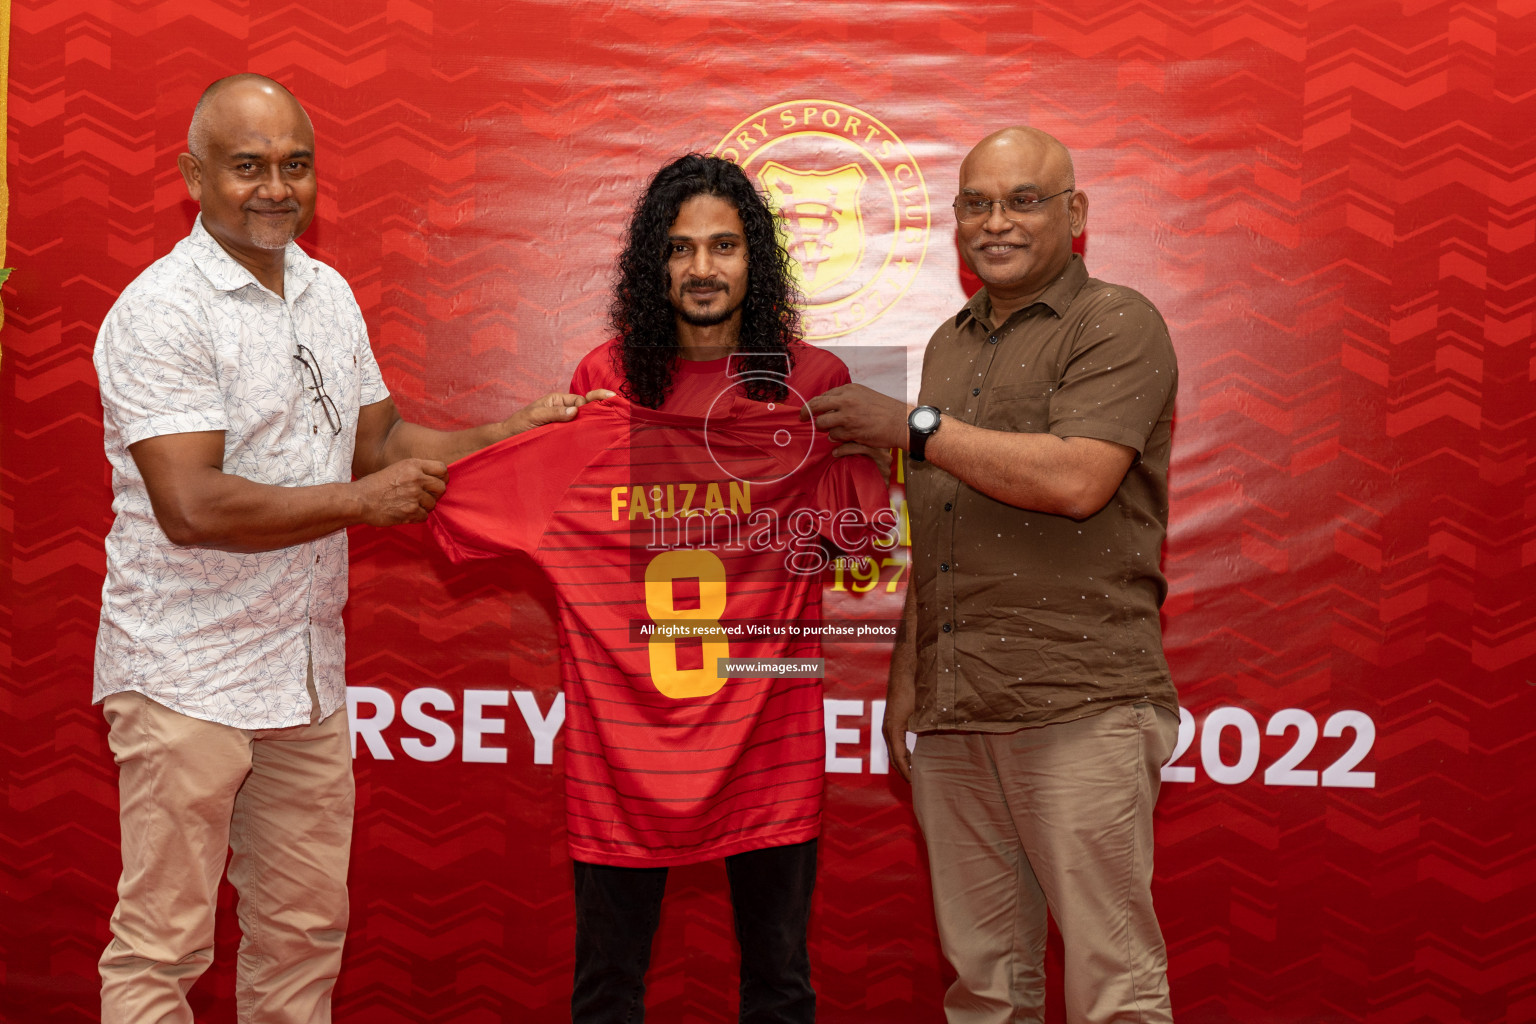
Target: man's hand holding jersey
[(867, 422)]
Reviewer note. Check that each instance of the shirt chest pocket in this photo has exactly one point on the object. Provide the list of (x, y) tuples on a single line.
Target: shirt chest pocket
[(1021, 406)]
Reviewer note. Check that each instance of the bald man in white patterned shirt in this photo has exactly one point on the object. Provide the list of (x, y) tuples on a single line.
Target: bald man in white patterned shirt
[(240, 398)]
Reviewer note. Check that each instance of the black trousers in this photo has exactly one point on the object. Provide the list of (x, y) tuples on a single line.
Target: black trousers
[(617, 910)]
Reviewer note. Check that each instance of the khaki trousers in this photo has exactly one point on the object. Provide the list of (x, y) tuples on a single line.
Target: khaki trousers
[(278, 803), (1054, 818)]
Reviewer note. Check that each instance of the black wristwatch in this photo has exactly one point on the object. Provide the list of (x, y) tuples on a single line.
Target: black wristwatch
[(922, 423)]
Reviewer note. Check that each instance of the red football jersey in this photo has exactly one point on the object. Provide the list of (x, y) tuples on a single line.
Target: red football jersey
[(647, 519)]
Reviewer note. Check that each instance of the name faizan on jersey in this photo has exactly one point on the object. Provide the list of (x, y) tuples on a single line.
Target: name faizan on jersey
[(643, 517)]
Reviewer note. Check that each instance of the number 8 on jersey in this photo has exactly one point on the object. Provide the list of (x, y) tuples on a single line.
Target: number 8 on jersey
[(661, 605)]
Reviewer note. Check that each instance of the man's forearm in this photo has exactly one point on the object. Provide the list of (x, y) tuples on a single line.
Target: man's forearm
[(1069, 476), (231, 513), (413, 441), (197, 504), (1072, 476), (901, 687), (384, 437)]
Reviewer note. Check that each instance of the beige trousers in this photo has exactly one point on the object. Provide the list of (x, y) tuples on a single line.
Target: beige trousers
[(278, 803), (1054, 818)]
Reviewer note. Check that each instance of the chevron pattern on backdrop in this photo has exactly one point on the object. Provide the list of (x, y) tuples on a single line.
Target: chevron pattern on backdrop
[(1334, 205)]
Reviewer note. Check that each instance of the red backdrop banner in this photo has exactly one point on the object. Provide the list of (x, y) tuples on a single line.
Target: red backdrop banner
[(1333, 204)]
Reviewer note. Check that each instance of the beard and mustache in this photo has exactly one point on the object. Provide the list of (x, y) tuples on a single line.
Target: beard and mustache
[(266, 235), (705, 318)]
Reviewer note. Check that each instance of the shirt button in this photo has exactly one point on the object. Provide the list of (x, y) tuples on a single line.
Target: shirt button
[(943, 567), (946, 627), (975, 391), (314, 430), (949, 506), (992, 340)]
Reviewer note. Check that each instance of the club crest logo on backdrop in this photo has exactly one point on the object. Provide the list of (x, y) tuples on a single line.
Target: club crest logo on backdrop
[(853, 203)]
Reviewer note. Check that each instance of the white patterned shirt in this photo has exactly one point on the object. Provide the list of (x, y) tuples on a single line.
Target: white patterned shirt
[(196, 343)]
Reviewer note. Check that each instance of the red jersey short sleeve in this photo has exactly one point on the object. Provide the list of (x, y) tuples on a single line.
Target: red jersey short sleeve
[(492, 512), (652, 518)]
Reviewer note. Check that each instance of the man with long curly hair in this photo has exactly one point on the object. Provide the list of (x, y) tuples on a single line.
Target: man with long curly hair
[(702, 275), (704, 308)]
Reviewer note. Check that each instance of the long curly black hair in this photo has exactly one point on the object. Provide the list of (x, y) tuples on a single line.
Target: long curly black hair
[(643, 318)]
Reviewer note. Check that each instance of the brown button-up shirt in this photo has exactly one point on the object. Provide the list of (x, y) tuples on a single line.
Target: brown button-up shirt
[(1027, 618)]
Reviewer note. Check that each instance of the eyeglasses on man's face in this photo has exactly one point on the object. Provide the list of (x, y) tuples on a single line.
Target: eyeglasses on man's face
[(971, 208), (316, 384)]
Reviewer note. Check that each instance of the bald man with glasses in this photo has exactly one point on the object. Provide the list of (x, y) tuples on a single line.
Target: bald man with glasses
[(1034, 672)]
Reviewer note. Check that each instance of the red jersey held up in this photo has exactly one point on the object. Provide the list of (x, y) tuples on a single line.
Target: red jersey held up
[(651, 520)]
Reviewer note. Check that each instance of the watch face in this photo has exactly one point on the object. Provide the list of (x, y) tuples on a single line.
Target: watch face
[(924, 418)]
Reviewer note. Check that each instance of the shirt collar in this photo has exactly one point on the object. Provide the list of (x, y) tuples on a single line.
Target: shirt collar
[(221, 270), (1057, 296)]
